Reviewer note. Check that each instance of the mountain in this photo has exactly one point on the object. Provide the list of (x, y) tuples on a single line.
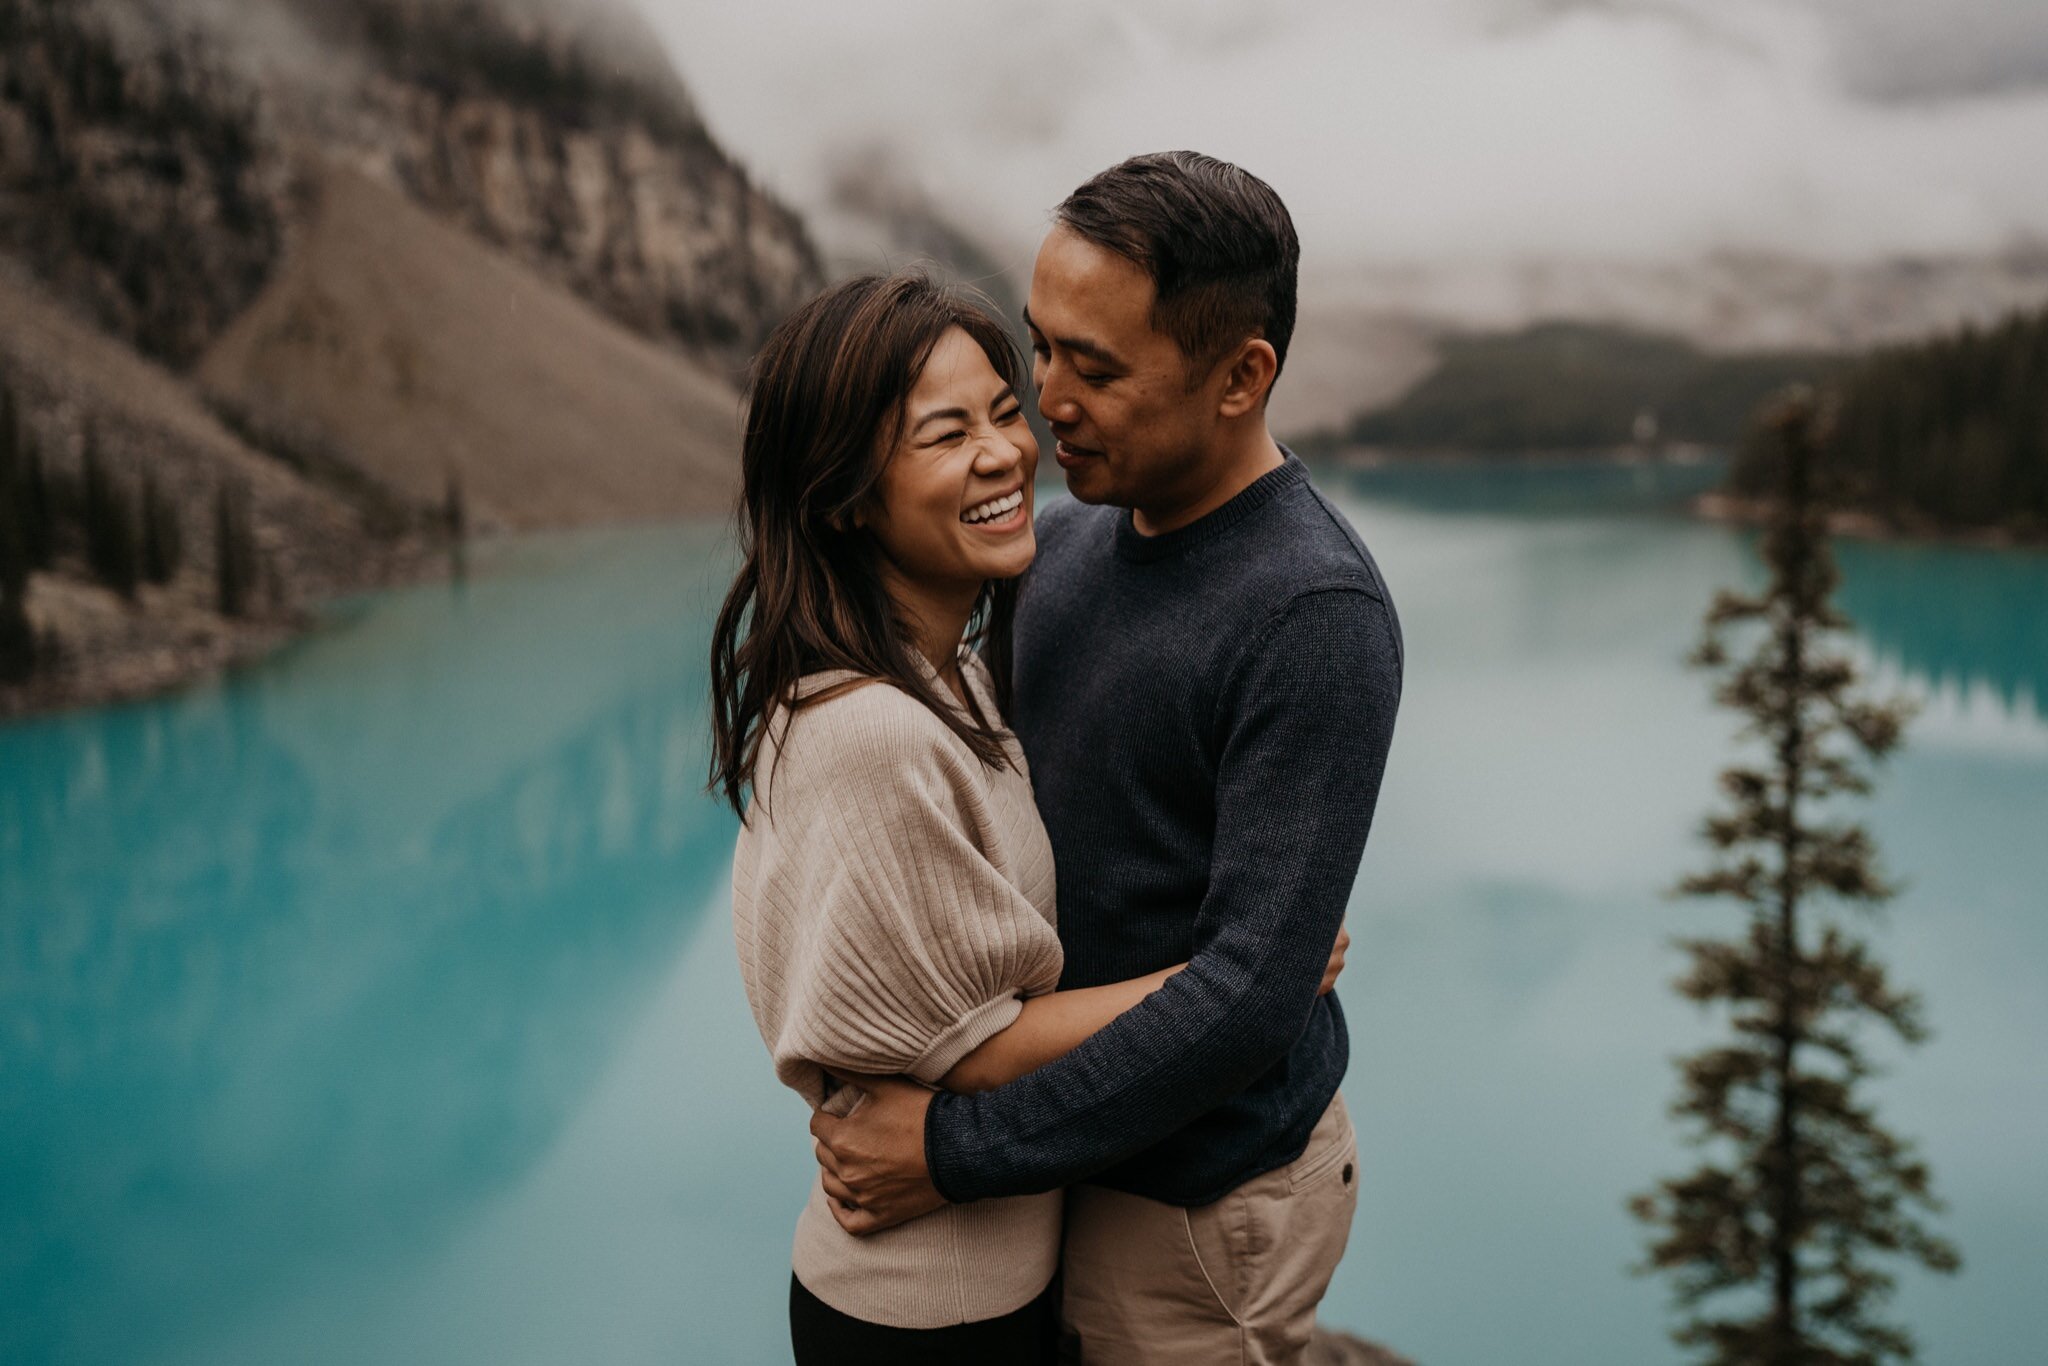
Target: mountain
[(384, 247), (1577, 387), (152, 153), (394, 344), (1375, 331)]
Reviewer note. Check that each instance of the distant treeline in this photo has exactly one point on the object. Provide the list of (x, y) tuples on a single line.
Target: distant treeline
[(102, 525), (1566, 386), (1948, 433)]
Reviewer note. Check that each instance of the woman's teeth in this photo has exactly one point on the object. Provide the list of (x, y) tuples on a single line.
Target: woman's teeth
[(994, 508)]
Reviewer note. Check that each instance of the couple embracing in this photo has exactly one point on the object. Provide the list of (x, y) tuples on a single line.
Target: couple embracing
[(1104, 1122)]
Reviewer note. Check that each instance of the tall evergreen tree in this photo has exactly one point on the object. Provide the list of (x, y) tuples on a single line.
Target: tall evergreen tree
[(37, 502), (234, 552), (17, 636), (10, 428), (1804, 1190), (455, 522), (113, 534), (17, 633), (163, 543)]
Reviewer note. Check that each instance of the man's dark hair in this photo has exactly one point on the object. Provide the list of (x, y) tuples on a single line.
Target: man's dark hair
[(1215, 239)]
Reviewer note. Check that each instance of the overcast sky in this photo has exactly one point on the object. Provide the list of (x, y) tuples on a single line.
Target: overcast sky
[(1432, 130)]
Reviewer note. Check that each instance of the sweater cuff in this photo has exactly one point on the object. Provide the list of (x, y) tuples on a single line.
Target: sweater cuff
[(964, 1035), (939, 1154)]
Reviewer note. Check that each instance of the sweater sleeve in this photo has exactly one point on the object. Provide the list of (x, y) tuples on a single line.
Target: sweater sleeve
[(1305, 723), (893, 944)]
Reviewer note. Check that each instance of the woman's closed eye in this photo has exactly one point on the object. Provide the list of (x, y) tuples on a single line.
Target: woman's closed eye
[(1002, 418)]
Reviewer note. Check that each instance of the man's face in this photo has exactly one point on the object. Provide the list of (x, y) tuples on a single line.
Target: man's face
[(1114, 391)]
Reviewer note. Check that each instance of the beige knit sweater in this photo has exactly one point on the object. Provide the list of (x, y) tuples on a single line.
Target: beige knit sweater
[(892, 905)]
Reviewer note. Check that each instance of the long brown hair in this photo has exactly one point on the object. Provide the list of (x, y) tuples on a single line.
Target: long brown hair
[(825, 400)]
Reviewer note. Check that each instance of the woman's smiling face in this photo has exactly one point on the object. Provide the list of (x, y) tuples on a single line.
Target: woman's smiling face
[(953, 507)]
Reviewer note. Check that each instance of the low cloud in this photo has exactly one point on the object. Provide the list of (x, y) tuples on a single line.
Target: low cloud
[(1428, 131)]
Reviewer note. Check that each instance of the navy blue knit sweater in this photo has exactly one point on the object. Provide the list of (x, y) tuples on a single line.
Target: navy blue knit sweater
[(1207, 715)]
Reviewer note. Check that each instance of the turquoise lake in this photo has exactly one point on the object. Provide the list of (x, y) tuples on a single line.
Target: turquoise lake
[(379, 1006)]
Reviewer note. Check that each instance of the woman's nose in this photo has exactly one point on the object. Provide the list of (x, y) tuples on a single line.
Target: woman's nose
[(994, 453)]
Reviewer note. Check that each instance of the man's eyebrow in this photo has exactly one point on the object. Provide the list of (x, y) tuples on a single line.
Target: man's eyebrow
[(1095, 351)]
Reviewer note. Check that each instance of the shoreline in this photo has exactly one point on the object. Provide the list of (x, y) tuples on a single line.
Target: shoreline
[(112, 652), (164, 643), (1732, 509), (1678, 454), (1713, 506)]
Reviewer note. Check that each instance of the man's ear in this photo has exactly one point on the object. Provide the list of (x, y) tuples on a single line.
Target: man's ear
[(1249, 379)]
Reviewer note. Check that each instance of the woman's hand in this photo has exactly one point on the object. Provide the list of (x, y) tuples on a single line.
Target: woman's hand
[(873, 1160), (1336, 964)]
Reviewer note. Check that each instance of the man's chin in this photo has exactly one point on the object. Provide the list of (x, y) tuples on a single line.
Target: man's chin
[(1089, 484)]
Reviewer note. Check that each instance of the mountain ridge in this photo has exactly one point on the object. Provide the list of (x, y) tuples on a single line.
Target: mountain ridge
[(396, 252)]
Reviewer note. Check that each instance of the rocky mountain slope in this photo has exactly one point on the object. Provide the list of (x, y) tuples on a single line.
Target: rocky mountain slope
[(136, 177), (557, 132), (377, 244), (149, 152), (399, 346)]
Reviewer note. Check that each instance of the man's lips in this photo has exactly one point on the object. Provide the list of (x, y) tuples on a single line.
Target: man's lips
[(1070, 455)]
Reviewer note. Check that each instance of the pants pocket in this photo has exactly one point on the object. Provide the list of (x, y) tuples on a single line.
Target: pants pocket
[(1332, 1151), (1219, 1242)]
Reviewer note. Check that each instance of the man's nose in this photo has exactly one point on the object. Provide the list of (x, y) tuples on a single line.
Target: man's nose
[(1055, 401)]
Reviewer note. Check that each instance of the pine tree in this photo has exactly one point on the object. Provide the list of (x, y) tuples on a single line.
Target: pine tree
[(18, 652), (455, 521), (10, 429), (234, 552), (1804, 1188), (163, 544), (113, 536), (37, 502), (17, 636)]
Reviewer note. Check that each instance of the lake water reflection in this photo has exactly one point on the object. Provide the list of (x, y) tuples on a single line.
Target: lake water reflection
[(379, 1005)]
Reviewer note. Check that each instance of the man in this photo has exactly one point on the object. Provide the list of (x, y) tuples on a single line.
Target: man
[(1207, 670)]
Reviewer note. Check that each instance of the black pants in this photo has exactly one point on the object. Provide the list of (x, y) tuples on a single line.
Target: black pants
[(823, 1336)]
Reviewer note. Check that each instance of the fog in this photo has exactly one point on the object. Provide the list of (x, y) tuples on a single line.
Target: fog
[(1426, 131)]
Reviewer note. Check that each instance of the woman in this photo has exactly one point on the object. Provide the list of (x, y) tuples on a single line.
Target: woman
[(892, 885)]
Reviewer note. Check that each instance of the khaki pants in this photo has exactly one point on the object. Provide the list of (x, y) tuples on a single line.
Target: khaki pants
[(1235, 1283)]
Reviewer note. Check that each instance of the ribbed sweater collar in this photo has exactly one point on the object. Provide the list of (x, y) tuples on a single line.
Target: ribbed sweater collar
[(1133, 544)]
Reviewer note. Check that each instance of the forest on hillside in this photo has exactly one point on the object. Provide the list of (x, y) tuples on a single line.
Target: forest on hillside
[(1945, 434), (1576, 386)]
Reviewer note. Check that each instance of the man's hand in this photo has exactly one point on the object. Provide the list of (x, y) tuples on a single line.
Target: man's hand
[(1336, 964), (874, 1170)]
